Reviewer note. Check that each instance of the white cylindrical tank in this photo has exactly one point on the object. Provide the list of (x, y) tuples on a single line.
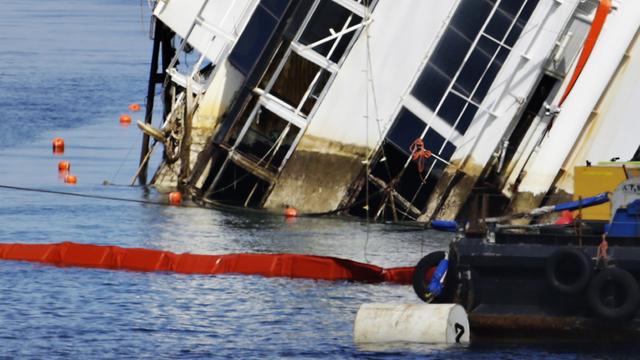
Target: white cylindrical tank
[(416, 323)]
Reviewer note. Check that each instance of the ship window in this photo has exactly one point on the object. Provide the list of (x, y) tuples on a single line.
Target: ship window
[(256, 34), (503, 18), (476, 65), (327, 19), (451, 108), (466, 118), (522, 20), (275, 7), (296, 78), (472, 77), (405, 130), (268, 139), (416, 187), (470, 16), (390, 162), (431, 85), (449, 56)]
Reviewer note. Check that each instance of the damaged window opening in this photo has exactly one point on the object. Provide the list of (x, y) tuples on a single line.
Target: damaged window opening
[(268, 139), (267, 128), (237, 186), (328, 19), (300, 80)]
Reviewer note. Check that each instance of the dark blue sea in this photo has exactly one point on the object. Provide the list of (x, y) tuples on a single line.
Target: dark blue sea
[(70, 68)]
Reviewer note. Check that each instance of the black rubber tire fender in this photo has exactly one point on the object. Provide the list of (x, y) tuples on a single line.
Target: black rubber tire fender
[(420, 281), (614, 294), (568, 270)]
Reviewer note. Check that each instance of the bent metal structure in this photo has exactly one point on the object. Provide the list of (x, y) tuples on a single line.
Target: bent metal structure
[(396, 110)]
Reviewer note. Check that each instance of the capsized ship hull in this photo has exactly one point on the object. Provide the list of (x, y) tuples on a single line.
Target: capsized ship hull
[(318, 104)]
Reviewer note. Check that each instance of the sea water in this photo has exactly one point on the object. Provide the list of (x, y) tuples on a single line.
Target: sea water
[(69, 69)]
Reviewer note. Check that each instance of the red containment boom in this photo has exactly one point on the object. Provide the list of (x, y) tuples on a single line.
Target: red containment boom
[(138, 259)]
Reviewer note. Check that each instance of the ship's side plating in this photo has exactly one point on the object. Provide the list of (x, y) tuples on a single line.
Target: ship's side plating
[(316, 104)]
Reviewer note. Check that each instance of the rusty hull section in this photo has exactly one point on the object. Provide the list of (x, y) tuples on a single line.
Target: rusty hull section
[(317, 176)]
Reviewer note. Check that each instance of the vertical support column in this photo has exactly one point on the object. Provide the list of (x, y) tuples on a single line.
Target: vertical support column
[(185, 145), (161, 37)]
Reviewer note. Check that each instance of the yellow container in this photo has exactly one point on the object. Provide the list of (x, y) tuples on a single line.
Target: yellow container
[(592, 180)]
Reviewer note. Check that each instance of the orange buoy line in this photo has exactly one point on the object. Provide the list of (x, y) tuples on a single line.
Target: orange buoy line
[(134, 107), (139, 259)]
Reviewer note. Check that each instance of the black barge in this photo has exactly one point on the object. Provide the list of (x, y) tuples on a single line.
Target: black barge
[(564, 282)]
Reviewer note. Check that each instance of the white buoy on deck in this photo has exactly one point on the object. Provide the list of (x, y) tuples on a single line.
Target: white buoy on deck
[(416, 323)]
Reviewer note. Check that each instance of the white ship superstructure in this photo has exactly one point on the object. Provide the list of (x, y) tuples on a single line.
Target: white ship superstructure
[(398, 110)]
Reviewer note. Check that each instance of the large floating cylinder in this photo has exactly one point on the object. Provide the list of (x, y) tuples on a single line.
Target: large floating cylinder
[(415, 323)]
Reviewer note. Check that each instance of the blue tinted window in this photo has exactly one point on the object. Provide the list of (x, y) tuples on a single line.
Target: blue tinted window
[(514, 34), (451, 108), (276, 7), (430, 87), (450, 52), (254, 38), (466, 118), (491, 74), (470, 16), (406, 129), (502, 19), (475, 67)]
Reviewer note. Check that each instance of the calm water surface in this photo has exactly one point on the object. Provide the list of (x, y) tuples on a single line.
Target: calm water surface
[(70, 68)]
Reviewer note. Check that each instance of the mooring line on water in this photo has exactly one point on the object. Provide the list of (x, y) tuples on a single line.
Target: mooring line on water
[(89, 196)]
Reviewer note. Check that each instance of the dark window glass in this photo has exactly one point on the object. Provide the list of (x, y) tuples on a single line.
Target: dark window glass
[(466, 118), (406, 129), (294, 79), (491, 74), (429, 184), (390, 163), (411, 180), (502, 18), (276, 7), (433, 141), (253, 40), (515, 32), (475, 66), (451, 108), (470, 16), (329, 15), (450, 52), (430, 87), (447, 152)]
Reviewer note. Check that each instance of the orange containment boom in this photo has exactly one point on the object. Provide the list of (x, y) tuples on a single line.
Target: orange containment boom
[(137, 259)]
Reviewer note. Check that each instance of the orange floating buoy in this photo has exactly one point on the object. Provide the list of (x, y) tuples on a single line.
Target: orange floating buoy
[(125, 119), (58, 145), (70, 179), (290, 212), (134, 107), (175, 198), (64, 165)]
